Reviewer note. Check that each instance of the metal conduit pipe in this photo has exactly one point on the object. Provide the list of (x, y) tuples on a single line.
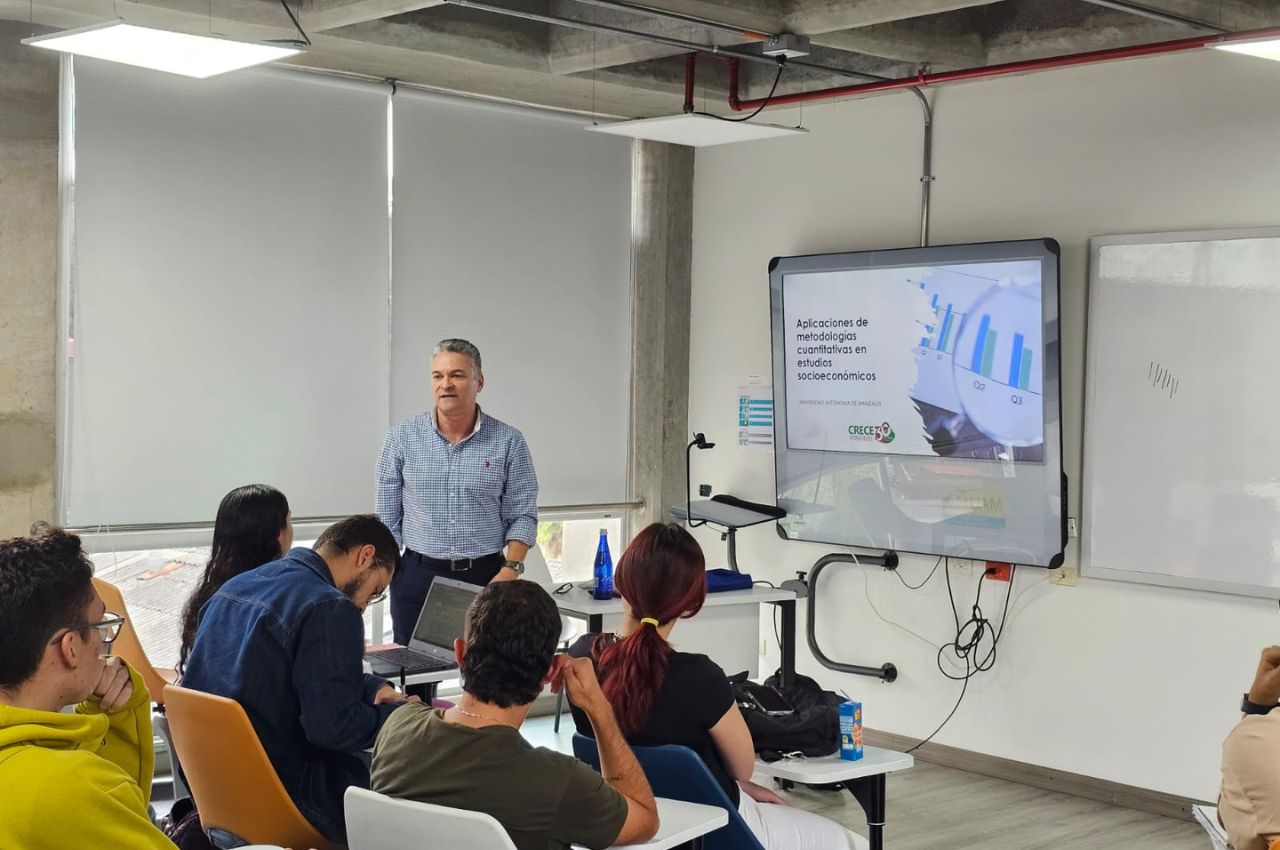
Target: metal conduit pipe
[(888, 671), (923, 79), (1157, 15), (737, 104), (677, 18), (679, 44)]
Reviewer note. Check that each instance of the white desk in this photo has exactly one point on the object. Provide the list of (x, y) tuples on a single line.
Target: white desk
[(864, 778), (727, 629), (681, 823)]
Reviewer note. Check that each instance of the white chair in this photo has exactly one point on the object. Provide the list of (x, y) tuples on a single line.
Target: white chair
[(378, 822)]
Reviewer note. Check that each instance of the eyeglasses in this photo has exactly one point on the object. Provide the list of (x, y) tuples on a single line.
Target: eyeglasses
[(109, 628), (377, 597)]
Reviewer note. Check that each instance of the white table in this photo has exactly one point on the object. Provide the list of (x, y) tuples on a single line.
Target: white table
[(721, 627), (681, 823), (864, 778)]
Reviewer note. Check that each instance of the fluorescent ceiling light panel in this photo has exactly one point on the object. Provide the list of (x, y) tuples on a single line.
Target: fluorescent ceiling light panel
[(197, 56), (1265, 49), (697, 131)]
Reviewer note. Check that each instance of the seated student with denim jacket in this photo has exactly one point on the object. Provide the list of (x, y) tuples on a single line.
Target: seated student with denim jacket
[(286, 641)]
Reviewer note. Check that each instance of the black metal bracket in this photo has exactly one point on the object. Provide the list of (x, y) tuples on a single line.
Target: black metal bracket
[(887, 672)]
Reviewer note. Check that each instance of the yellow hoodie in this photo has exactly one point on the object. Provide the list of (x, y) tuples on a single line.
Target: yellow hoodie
[(78, 780)]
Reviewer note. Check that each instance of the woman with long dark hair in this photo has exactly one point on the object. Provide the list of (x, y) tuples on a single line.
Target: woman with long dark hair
[(253, 527), (661, 696)]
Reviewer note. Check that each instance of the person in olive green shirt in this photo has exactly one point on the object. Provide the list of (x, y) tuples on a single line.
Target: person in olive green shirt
[(473, 757), (70, 779)]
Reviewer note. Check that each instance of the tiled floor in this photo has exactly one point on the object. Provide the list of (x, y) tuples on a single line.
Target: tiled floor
[(932, 807)]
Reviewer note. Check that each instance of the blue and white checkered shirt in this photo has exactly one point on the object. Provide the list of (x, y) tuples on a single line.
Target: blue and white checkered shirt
[(464, 501)]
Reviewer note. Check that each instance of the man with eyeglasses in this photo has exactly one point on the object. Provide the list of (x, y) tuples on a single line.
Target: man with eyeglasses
[(79, 779), (286, 641)]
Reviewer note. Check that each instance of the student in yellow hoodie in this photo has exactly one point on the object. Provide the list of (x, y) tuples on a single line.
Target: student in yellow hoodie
[(70, 780)]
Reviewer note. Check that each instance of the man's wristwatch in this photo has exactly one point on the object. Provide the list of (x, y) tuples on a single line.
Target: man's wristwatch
[(1253, 708), (518, 566)]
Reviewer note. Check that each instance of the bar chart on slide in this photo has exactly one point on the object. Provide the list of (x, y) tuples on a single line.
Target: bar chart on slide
[(941, 334), (1015, 372), (1000, 382)]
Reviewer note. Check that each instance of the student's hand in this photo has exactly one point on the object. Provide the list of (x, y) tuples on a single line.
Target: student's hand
[(114, 686), (577, 676), (759, 793), (1266, 683), (388, 693)]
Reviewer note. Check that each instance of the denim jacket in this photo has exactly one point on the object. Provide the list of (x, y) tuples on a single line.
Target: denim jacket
[(287, 645)]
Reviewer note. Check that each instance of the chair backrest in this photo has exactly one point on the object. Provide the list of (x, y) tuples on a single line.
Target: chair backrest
[(233, 783), (127, 645), (678, 773), (378, 822)]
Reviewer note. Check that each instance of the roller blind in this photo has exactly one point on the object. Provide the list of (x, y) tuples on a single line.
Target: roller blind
[(512, 229), (229, 293)]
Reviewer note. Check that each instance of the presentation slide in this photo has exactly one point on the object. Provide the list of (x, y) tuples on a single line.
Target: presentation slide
[(930, 361)]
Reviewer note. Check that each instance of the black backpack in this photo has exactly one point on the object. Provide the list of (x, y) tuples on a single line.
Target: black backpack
[(813, 729)]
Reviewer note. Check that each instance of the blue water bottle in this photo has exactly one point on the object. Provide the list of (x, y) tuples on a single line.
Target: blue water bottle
[(603, 569)]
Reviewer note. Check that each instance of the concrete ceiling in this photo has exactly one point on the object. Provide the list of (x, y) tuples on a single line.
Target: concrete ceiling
[(442, 45)]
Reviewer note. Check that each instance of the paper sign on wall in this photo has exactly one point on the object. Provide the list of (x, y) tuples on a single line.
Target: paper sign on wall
[(755, 415)]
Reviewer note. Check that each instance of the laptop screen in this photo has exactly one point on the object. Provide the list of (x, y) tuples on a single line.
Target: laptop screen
[(444, 613)]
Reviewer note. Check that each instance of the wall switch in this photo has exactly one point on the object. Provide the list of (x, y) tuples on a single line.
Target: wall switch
[(1073, 529), (764, 647), (961, 566), (704, 490)]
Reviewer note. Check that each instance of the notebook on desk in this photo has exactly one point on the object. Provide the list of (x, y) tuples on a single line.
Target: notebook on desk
[(440, 622)]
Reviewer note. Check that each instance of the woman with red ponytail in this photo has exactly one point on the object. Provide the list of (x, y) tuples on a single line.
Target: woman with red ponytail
[(661, 696)]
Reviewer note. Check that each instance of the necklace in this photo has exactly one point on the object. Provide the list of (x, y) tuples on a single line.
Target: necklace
[(478, 716)]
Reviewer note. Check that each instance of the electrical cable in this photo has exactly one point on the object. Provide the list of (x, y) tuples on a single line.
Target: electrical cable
[(781, 62), (921, 584), (967, 645), (777, 632)]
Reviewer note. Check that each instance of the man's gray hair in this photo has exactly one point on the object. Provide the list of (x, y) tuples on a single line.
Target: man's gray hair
[(459, 346)]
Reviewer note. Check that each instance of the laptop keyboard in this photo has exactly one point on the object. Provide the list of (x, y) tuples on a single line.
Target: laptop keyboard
[(408, 659)]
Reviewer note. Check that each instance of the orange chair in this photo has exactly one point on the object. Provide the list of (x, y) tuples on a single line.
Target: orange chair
[(234, 785), (128, 647)]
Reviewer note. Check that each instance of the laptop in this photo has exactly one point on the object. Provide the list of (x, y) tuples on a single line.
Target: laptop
[(440, 622)]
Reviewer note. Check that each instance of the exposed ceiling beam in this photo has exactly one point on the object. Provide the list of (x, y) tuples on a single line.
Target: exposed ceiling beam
[(812, 17), (322, 15), (907, 41)]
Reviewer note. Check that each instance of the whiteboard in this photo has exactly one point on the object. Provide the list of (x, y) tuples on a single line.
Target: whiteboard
[(1181, 472)]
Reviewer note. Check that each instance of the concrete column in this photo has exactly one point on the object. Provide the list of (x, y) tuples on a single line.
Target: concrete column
[(28, 279), (661, 257)]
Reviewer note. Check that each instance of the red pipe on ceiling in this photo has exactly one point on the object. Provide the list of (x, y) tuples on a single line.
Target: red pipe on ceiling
[(923, 79)]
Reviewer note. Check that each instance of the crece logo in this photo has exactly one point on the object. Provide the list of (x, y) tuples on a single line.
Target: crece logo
[(882, 433)]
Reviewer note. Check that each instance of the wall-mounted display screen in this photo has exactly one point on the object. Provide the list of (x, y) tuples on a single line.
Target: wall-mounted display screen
[(918, 398)]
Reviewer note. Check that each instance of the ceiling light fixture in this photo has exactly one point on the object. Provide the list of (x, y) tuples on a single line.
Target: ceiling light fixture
[(199, 56), (697, 130), (1264, 48)]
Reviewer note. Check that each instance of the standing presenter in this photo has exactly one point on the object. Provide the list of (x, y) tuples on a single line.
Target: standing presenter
[(455, 486)]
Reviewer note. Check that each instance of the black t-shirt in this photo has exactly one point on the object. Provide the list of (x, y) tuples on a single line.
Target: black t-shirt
[(694, 696)]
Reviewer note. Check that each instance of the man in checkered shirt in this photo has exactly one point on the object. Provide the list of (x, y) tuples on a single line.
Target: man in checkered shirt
[(455, 486)]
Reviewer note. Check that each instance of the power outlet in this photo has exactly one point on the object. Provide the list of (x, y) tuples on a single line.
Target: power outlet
[(961, 566), (998, 571)]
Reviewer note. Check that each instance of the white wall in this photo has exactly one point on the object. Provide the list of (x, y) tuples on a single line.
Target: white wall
[(1129, 683)]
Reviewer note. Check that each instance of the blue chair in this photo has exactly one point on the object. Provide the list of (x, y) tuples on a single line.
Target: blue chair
[(677, 773)]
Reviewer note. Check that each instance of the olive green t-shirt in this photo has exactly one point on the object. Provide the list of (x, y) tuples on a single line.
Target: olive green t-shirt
[(544, 799)]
